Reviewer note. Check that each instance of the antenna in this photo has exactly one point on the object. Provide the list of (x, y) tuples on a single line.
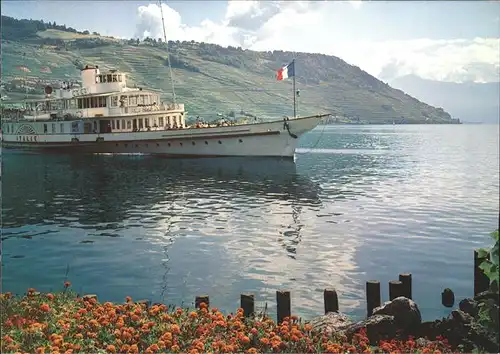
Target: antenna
[(168, 54)]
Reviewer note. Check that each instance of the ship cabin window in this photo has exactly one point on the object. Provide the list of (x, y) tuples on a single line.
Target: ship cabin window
[(133, 100), (140, 123), (129, 124), (146, 99), (95, 126), (141, 99), (53, 127), (112, 124), (114, 101), (119, 78), (45, 128), (61, 126), (91, 102), (155, 123), (117, 124), (72, 104), (146, 122), (160, 121)]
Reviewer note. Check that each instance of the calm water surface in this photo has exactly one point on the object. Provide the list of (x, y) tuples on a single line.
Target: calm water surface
[(359, 203)]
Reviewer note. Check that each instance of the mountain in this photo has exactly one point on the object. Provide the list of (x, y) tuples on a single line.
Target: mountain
[(208, 78), (470, 102)]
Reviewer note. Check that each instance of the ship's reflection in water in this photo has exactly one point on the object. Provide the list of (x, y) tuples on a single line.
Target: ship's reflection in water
[(158, 228)]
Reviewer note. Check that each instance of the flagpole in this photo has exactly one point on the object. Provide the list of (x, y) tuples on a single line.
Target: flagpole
[(294, 103)]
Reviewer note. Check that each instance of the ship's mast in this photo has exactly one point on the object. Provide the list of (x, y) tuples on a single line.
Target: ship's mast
[(168, 55)]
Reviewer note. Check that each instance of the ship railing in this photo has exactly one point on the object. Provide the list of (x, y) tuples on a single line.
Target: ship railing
[(153, 108)]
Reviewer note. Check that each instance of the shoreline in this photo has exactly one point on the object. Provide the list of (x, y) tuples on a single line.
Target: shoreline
[(63, 321)]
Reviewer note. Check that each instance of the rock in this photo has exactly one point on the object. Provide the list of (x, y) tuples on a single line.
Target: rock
[(487, 295), (332, 322), (378, 327), (405, 312), (461, 317), (469, 306)]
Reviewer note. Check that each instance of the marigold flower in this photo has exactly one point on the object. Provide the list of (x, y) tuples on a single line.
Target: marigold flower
[(175, 348), (50, 296), (45, 307)]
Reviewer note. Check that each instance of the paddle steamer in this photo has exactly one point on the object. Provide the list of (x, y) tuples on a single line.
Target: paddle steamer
[(104, 115)]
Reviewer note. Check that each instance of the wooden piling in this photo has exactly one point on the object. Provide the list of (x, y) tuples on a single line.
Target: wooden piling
[(448, 297), (284, 306), (395, 289), (331, 300), (481, 281), (201, 299), (247, 304), (405, 278), (372, 296)]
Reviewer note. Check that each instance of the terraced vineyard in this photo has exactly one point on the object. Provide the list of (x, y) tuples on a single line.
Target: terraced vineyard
[(211, 79)]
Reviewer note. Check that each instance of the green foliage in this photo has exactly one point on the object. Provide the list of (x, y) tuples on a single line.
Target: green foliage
[(489, 265), (488, 309)]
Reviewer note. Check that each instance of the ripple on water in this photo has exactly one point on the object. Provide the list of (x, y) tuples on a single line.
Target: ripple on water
[(365, 203)]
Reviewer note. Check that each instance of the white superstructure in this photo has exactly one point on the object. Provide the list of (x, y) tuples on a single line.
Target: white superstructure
[(104, 115)]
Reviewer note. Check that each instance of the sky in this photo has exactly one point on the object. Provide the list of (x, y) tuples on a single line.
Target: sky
[(454, 41)]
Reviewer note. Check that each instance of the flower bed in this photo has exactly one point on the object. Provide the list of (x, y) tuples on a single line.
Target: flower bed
[(63, 322)]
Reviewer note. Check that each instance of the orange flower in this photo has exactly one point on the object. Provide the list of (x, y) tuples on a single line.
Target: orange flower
[(264, 341), (50, 296), (193, 314), (67, 284), (175, 348), (45, 307), (308, 327), (40, 350), (111, 348)]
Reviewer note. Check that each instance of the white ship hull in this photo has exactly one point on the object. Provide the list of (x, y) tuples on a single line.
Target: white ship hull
[(260, 139)]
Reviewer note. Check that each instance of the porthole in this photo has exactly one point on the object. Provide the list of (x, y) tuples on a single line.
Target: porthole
[(136, 145), (193, 143), (168, 144), (220, 142), (157, 144), (181, 144), (241, 141), (206, 142)]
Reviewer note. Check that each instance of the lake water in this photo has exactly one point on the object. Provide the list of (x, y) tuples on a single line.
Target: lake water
[(359, 203)]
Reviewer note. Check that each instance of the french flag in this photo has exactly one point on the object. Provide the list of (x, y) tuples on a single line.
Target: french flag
[(286, 71)]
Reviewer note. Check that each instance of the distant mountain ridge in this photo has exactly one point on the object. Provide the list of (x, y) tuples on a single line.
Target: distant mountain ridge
[(470, 102), (208, 78)]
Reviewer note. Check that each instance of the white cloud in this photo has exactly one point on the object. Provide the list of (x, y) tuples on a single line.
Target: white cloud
[(315, 27)]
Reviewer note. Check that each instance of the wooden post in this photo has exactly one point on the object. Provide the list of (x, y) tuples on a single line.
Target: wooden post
[(405, 278), (201, 299), (331, 300), (372, 296), (481, 281), (248, 304), (284, 306), (447, 297), (395, 289)]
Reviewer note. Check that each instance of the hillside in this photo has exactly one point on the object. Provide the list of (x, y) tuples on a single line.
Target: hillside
[(208, 78), (471, 102)]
